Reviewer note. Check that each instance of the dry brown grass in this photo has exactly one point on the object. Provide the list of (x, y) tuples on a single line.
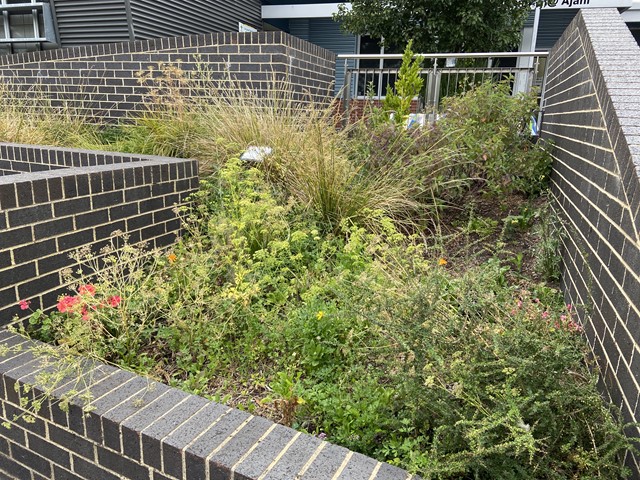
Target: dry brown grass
[(29, 118)]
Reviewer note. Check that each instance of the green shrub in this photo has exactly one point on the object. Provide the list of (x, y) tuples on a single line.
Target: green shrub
[(489, 128), (408, 86), (491, 369)]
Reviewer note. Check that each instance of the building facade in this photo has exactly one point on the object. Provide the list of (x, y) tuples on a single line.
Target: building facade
[(29, 25), (313, 22)]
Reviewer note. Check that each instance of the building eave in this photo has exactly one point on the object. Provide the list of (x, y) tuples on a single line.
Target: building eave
[(308, 10)]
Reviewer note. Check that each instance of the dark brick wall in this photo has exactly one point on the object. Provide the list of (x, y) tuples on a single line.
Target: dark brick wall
[(142, 430), (593, 116), (103, 80), (57, 200)]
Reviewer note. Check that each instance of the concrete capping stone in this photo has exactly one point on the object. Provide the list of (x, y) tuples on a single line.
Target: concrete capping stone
[(596, 190), (165, 434)]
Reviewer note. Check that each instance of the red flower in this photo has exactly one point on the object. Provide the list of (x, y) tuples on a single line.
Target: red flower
[(87, 290), (85, 313), (114, 301), (66, 303), (24, 304)]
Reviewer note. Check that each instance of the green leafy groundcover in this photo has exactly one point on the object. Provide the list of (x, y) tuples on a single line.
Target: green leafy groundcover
[(371, 341)]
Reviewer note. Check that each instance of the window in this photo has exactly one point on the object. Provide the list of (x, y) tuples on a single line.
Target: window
[(376, 75), (25, 25)]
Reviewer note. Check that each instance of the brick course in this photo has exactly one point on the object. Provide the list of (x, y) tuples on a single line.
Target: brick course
[(141, 430), (58, 200), (102, 81), (592, 117)]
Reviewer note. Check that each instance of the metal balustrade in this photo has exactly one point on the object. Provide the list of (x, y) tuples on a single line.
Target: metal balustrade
[(444, 75)]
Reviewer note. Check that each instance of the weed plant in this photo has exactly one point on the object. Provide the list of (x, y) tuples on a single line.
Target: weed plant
[(550, 233)]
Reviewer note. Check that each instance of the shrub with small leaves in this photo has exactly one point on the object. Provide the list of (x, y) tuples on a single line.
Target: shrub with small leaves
[(489, 128)]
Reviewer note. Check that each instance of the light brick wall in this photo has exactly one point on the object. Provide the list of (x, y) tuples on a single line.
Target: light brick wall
[(593, 116), (102, 81), (58, 200)]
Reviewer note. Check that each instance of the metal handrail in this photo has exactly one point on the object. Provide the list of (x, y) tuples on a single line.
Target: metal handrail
[(398, 56)]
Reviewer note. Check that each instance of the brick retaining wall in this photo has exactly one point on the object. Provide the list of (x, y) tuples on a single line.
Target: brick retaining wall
[(56, 200), (142, 430), (102, 81), (593, 117)]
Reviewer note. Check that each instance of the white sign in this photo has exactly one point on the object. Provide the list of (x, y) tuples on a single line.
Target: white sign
[(242, 27), (557, 4), (307, 10)]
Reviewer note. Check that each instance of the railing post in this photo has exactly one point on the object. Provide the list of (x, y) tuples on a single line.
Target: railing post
[(432, 92), (523, 77), (543, 92), (346, 94)]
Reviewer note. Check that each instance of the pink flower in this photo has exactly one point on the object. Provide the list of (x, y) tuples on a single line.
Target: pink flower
[(66, 303), (114, 300), (24, 304), (574, 327), (545, 314), (87, 290)]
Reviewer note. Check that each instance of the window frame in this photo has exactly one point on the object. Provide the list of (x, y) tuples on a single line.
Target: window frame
[(42, 23), (381, 86)]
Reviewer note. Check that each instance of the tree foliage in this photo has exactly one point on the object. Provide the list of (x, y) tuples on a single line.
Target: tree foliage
[(440, 25)]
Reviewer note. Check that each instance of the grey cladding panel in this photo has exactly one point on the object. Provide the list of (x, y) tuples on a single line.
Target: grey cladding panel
[(552, 24), (168, 18), (86, 22)]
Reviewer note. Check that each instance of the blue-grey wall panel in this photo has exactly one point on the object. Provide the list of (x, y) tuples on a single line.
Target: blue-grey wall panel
[(86, 22), (168, 18), (326, 33), (552, 24)]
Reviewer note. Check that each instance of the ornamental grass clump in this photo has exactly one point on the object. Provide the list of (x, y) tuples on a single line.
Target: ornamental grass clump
[(316, 163), (170, 124), (30, 118)]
